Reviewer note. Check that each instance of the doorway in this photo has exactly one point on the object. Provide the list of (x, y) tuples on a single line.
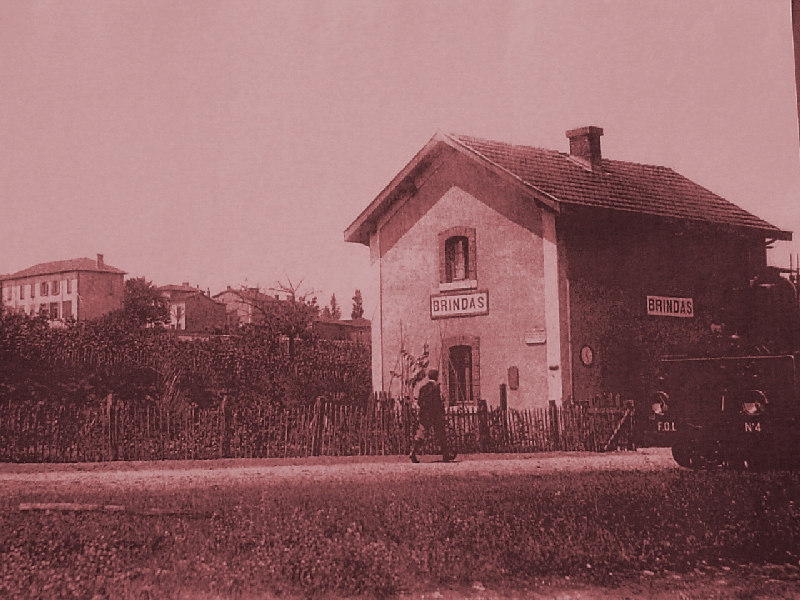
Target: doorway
[(460, 375)]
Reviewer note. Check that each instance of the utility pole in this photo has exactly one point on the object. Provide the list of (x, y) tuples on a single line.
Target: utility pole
[(796, 36)]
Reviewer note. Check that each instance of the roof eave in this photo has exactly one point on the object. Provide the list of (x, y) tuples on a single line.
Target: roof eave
[(769, 232), (78, 270), (366, 223), (777, 235), (360, 230)]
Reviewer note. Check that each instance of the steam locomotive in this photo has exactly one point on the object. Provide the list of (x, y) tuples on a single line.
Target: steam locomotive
[(736, 404)]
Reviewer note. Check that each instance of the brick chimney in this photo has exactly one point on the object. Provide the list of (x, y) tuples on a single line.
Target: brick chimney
[(584, 144), (100, 263), (185, 284)]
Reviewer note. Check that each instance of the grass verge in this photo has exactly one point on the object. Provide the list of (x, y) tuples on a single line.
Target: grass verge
[(381, 539)]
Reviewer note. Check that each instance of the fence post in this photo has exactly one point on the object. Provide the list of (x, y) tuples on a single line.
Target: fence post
[(504, 414), (484, 435), (111, 453), (554, 426), (223, 434), (317, 423)]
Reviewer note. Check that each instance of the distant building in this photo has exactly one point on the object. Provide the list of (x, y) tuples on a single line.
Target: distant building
[(78, 289), (355, 330), (242, 305), (192, 311)]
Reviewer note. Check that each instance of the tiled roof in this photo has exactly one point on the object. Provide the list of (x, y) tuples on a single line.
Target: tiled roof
[(179, 288), (62, 266), (618, 185), (248, 295)]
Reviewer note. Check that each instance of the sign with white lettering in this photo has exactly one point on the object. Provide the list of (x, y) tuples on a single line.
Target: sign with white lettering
[(460, 305), (661, 306)]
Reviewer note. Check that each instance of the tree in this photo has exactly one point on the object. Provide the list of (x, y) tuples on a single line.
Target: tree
[(358, 306), (143, 303), (333, 311), (292, 317)]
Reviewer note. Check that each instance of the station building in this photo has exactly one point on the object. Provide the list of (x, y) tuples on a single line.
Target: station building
[(547, 277)]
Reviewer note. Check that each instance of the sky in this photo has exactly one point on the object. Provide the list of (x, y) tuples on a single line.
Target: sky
[(232, 142)]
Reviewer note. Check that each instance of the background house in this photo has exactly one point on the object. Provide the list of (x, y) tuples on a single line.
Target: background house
[(78, 289), (548, 276), (352, 330), (242, 305), (192, 311)]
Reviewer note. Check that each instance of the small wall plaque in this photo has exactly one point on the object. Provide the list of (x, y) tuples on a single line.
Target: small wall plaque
[(535, 336), (587, 356)]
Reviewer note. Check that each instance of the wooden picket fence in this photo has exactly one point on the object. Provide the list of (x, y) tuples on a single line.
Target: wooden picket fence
[(119, 431)]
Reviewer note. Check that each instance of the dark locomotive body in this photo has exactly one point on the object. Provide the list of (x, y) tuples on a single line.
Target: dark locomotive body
[(736, 403)]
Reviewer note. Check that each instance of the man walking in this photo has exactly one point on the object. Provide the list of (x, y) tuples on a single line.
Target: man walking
[(431, 416)]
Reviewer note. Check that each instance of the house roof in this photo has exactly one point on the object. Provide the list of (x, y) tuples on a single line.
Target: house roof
[(361, 322), (556, 179), (248, 295), (179, 288), (180, 293), (62, 266)]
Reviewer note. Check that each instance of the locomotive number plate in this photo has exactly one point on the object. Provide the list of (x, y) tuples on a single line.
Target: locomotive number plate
[(666, 426), (751, 427)]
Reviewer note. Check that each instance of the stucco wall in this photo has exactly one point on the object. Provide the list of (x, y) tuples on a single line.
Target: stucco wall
[(202, 314), (26, 303), (99, 293), (509, 266), (615, 263)]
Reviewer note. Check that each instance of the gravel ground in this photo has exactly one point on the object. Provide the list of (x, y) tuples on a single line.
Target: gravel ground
[(188, 474)]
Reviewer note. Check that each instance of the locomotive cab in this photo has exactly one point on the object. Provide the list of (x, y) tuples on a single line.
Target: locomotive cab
[(738, 404)]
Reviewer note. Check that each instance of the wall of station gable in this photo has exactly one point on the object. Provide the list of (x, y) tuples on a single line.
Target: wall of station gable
[(509, 270)]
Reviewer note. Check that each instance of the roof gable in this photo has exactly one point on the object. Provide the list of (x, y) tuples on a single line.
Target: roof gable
[(555, 179)]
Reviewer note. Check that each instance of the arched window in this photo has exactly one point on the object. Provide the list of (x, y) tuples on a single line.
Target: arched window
[(456, 256)]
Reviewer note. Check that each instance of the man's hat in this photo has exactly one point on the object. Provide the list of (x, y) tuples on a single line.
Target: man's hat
[(433, 374)]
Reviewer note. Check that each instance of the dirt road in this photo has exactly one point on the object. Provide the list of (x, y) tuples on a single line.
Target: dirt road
[(188, 474)]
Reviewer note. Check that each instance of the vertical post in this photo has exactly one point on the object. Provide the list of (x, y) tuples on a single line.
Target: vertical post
[(111, 450), (504, 412), (317, 426), (554, 425), (484, 435), (223, 433)]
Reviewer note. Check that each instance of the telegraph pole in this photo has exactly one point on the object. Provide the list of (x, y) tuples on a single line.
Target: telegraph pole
[(796, 36)]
